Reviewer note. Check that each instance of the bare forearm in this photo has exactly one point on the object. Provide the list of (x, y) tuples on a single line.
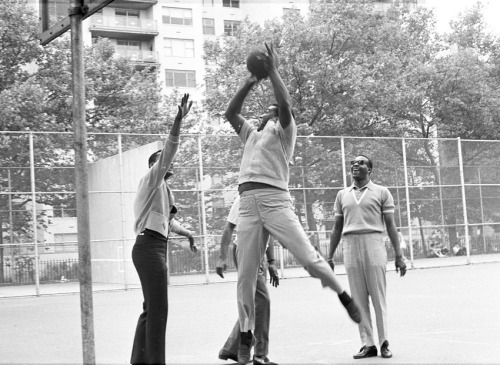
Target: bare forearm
[(393, 235), (233, 112), (335, 239), (224, 243), (282, 98), (270, 251)]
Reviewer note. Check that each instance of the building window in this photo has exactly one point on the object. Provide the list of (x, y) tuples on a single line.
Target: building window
[(208, 2), (127, 18), (231, 3), (208, 26), (177, 16), (231, 27), (291, 11), (180, 78), (179, 47)]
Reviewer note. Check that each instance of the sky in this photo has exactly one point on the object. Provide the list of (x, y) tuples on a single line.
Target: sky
[(447, 10)]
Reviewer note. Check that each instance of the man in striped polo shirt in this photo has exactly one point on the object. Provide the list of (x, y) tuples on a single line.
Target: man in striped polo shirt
[(362, 211)]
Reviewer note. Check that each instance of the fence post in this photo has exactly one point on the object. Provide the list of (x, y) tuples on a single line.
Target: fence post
[(464, 200), (203, 217), (33, 211), (342, 152), (407, 192), (122, 203)]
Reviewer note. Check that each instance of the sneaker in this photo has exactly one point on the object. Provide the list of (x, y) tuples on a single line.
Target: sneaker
[(257, 360), (225, 355)]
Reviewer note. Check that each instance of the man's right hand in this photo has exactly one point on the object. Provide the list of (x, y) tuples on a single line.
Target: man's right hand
[(221, 267), (332, 265), (185, 107)]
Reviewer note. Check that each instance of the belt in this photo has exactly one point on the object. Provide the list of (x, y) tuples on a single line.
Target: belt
[(255, 185), (152, 233)]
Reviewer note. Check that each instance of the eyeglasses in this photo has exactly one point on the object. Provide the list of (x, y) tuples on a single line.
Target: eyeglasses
[(359, 162)]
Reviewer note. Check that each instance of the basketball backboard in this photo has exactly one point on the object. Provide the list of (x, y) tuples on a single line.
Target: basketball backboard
[(54, 17)]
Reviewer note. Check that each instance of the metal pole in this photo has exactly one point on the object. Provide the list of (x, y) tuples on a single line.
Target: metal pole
[(33, 212), (482, 208), (303, 176), (407, 191), (464, 200), (81, 177), (122, 206), (203, 217), (399, 200), (342, 151), (11, 220)]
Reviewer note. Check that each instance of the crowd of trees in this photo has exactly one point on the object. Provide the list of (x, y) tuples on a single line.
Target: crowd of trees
[(351, 70)]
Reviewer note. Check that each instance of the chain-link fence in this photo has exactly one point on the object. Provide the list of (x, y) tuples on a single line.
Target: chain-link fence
[(446, 191)]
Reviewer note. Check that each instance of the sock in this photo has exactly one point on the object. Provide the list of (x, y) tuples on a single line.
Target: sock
[(246, 338), (345, 299)]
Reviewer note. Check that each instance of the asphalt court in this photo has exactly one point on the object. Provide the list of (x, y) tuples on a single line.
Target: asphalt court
[(438, 315)]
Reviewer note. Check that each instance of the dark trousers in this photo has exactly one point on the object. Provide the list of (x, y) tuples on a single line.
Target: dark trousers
[(149, 257)]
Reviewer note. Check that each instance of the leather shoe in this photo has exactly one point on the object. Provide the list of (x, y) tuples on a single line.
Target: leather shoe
[(366, 351), (384, 350), (257, 360), (224, 355)]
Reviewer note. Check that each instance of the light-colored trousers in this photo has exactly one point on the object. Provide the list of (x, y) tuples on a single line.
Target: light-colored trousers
[(263, 212), (262, 321), (365, 260)]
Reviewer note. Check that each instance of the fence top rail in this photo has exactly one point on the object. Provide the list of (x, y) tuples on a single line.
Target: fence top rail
[(232, 134)]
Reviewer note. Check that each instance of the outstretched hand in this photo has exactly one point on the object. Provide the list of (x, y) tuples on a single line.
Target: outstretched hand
[(185, 107)]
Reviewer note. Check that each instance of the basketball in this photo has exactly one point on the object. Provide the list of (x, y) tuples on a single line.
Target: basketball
[(255, 64)]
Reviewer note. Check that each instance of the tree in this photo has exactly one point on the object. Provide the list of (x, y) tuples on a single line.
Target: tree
[(35, 95), (354, 71)]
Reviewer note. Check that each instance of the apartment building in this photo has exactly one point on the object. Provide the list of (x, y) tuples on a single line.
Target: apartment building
[(169, 34)]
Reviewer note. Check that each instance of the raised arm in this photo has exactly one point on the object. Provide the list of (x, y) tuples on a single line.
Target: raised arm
[(157, 172), (233, 112), (271, 62), (184, 109)]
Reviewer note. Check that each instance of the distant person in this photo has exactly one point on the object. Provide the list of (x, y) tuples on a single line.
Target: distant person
[(265, 202), (262, 301), (154, 211), (362, 211)]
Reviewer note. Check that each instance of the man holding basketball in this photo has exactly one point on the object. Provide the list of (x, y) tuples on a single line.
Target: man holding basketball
[(265, 202)]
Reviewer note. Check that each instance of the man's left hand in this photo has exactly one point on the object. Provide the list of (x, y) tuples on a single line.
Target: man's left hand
[(273, 273), (192, 247), (400, 265)]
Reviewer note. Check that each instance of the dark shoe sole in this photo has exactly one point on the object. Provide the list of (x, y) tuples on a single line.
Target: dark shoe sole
[(228, 356)]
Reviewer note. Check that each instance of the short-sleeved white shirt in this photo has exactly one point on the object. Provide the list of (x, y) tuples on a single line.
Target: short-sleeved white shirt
[(364, 214)]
